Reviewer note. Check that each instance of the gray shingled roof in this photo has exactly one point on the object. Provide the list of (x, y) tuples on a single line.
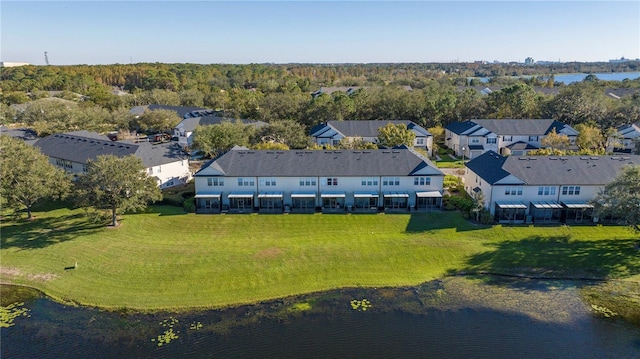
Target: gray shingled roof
[(517, 127), (460, 127), (80, 149), (488, 166), (370, 128), (397, 162), (577, 170)]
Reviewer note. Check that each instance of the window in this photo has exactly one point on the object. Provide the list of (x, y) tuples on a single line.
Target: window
[(85, 168), (64, 163), (308, 181), (475, 140), (419, 141), (245, 182), (267, 181), (513, 191), (571, 190), (507, 138), (332, 181), (159, 169), (390, 181), (546, 190), (215, 181), (533, 138), (422, 181), (369, 181), (492, 141)]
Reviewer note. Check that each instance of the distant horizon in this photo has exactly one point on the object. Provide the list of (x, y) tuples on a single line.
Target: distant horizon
[(317, 32)]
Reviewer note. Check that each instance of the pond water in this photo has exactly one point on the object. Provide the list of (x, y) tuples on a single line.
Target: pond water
[(453, 318), (577, 77)]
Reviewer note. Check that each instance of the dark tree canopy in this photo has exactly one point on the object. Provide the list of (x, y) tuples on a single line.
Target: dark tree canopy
[(621, 198), (27, 176), (117, 184)]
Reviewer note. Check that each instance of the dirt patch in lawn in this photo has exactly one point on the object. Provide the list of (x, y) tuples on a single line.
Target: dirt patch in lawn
[(269, 253), (7, 273)]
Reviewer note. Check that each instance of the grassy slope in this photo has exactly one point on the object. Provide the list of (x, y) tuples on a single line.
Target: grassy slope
[(167, 259)]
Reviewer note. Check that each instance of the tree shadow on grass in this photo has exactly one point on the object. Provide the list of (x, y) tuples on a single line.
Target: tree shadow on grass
[(43, 232), (423, 222), (558, 257)]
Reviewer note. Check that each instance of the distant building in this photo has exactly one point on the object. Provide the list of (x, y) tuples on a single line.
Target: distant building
[(529, 61), (167, 163), (13, 64)]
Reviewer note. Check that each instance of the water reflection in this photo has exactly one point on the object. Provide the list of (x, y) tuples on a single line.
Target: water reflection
[(452, 318)]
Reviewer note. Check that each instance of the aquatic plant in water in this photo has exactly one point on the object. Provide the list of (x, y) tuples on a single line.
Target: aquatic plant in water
[(606, 312), (361, 305), (169, 334), (12, 311)]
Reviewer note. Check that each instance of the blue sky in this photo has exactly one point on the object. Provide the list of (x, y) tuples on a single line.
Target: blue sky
[(108, 32)]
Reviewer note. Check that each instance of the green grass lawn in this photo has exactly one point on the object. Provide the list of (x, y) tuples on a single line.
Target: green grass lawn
[(165, 259), (447, 161)]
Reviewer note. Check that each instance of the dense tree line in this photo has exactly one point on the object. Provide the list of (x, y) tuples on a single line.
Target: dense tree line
[(439, 94)]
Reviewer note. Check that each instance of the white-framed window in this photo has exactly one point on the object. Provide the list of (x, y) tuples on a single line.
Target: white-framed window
[(246, 182), (570, 190), (492, 141), (390, 181), (507, 138), (307, 182), (513, 191), (85, 168), (546, 190), (215, 181), (422, 181), (267, 181), (533, 138), (419, 141), (475, 140), (332, 181), (369, 181)]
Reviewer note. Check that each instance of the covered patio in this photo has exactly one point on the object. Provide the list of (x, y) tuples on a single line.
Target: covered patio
[(303, 202), (577, 212), (241, 202), (208, 203), (545, 211), (428, 200), (365, 202), (396, 201), (333, 202), (270, 202), (510, 212)]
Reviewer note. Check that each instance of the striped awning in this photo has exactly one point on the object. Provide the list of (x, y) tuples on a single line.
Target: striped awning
[(507, 205), (429, 194), (546, 205), (365, 194), (333, 195), (208, 195), (577, 205), (270, 195), (396, 194), (303, 195), (241, 195)]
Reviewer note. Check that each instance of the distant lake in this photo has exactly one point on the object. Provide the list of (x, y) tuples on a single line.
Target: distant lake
[(577, 77)]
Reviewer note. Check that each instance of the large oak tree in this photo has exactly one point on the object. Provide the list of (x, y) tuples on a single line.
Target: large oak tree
[(27, 177), (621, 198), (117, 184)]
